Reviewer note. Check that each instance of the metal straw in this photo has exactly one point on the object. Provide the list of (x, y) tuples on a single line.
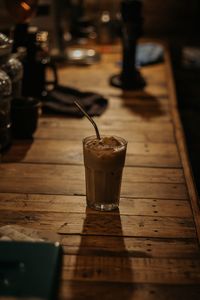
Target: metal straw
[(89, 118)]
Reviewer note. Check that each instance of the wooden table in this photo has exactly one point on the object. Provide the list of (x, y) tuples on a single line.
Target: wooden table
[(149, 249)]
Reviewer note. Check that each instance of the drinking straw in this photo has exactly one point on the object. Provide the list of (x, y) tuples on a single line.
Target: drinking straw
[(89, 118)]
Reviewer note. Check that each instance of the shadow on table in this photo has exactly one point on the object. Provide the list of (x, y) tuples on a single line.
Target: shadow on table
[(103, 267), (143, 104), (17, 151)]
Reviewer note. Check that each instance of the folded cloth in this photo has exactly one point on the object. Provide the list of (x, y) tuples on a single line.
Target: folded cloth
[(60, 100), (149, 53)]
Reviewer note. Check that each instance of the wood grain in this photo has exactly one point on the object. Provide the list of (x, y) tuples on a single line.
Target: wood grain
[(70, 152), (105, 224), (135, 133), (133, 270), (128, 226), (77, 204), (69, 180), (131, 174), (146, 250), (81, 290), (130, 246), (154, 75)]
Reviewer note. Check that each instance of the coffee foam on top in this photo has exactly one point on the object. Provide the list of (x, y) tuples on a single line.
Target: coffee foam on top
[(109, 143)]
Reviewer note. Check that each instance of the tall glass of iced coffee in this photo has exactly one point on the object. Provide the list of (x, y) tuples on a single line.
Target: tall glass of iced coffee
[(104, 161)]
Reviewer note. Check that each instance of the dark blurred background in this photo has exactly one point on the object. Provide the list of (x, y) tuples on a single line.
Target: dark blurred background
[(177, 21), (162, 18)]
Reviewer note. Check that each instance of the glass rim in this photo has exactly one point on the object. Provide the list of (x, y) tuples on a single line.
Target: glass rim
[(124, 142)]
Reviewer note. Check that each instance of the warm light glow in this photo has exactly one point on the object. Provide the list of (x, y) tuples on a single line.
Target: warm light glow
[(105, 17), (25, 6), (90, 52), (42, 36)]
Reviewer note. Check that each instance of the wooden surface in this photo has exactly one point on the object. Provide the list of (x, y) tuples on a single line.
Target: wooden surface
[(149, 248)]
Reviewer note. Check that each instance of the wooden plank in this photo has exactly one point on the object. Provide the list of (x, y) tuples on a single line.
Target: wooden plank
[(77, 204), (138, 113), (154, 190), (133, 133), (100, 83), (129, 246), (65, 187), (116, 245), (180, 140), (81, 290), (69, 180), (73, 129), (128, 226), (104, 224), (70, 152), (155, 109), (131, 174), (139, 101), (155, 113), (133, 270), (60, 121)]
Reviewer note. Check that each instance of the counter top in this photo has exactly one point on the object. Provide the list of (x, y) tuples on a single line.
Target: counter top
[(149, 248)]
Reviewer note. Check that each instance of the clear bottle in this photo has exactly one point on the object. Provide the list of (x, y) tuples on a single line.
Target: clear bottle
[(5, 93), (5, 103), (14, 69)]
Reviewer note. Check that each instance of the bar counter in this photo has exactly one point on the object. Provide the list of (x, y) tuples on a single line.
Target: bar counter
[(149, 248)]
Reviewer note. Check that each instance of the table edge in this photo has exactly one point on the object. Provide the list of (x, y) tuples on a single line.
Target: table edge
[(181, 142)]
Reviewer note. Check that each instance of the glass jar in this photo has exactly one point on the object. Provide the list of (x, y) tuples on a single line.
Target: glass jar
[(11, 65), (5, 103), (5, 48), (5, 93), (14, 69)]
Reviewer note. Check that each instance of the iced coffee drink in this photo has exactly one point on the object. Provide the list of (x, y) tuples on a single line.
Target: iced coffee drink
[(104, 161)]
